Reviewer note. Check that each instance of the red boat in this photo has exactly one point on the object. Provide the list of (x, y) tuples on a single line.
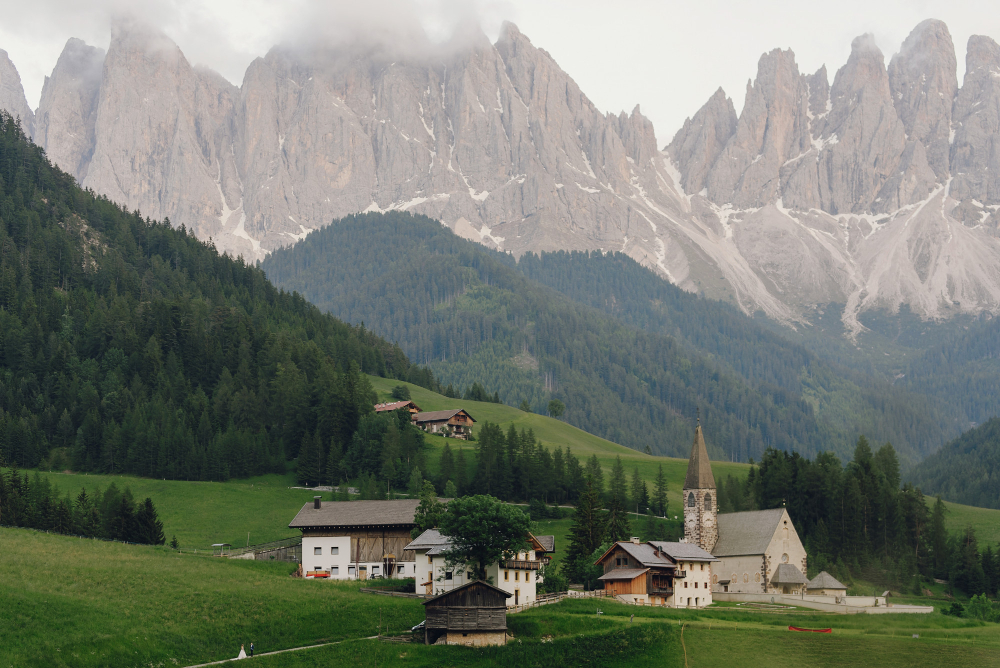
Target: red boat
[(796, 628)]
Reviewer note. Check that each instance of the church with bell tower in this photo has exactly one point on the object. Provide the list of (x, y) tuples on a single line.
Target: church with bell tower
[(700, 496), (758, 551)]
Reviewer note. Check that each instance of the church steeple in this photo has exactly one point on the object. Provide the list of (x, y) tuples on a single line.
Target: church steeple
[(699, 473), (699, 496)]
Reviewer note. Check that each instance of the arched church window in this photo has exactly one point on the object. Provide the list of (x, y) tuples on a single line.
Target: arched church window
[(786, 533), (746, 578), (690, 499), (756, 577), (784, 558), (708, 502)]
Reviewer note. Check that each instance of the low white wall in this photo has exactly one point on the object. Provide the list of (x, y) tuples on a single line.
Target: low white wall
[(853, 604)]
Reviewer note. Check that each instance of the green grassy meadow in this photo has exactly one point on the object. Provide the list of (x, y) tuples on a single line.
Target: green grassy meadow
[(553, 433), (75, 602)]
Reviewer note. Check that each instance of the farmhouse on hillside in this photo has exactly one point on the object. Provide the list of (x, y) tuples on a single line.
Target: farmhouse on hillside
[(356, 540), (474, 614), (676, 575), (452, 422), (758, 551), (396, 405), (519, 577)]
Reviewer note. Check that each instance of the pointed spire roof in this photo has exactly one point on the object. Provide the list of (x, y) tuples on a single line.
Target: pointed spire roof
[(699, 473)]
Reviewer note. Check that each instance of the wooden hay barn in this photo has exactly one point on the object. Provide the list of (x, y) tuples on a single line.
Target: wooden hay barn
[(474, 614)]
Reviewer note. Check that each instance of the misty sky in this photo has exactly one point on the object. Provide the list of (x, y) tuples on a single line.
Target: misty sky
[(667, 56)]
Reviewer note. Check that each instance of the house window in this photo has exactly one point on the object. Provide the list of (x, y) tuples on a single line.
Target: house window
[(350, 570), (374, 570), (335, 550), (400, 569), (625, 561), (506, 576), (685, 584), (448, 575), (517, 576), (703, 567), (527, 576), (695, 585), (618, 562), (430, 559), (317, 550), (334, 570)]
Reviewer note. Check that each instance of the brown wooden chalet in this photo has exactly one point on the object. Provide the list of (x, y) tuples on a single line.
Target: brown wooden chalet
[(453, 422), (396, 405), (638, 572), (474, 614)]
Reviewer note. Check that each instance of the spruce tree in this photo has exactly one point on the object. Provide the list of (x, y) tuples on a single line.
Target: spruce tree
[(619, 485), (586, 534), (618, 526), (660, 493), (636, 491)]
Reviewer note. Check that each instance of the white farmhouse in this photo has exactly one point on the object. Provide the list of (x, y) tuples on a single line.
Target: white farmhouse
[(518, 577), (357, 540)]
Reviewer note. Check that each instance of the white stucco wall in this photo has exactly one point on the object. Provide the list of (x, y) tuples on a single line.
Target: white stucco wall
[(335, 556), (520, 583), (785, 542), (695, 590), (748, 572)]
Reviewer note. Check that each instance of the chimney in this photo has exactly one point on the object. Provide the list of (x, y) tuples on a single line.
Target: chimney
[(317, 500), (635, 539)]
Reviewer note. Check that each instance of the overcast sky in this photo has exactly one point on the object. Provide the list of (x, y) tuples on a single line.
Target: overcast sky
[(666, 56)]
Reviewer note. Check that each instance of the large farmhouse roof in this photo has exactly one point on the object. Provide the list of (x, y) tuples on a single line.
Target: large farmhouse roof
[(699, 473), (788, 574), (440, 416), (746, 533), (825, 581), (397, 512), (683, 551), (548, 543), (437, 543)]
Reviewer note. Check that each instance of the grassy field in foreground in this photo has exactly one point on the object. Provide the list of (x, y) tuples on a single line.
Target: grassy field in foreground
[(555, 433), (72, 602)]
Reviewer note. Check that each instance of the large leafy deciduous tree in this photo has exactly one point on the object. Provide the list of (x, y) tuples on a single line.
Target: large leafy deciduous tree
[(483, 530)]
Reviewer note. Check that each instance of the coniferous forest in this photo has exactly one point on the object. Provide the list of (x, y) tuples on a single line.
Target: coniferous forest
[(631, 357), (128, 346)]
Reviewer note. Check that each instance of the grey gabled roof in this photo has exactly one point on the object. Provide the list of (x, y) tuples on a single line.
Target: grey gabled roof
[(428, 539), (699, 473), (623, 574), (481, 583), (643, 553), (788, 574), (746, 533), (825, 581), (548, 542), (396, 512), (683, 551), (440, 416)]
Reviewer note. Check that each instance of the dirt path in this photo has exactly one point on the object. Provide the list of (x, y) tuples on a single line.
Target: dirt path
[(279, 651)]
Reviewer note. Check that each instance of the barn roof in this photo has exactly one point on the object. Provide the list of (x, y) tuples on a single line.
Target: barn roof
[(788, 574), (683, 551), (430, 538), (441, 416), (699, 473), (825, 581), (395, 406), (623, 574), (474, 583), (397, 512), (746, 533)]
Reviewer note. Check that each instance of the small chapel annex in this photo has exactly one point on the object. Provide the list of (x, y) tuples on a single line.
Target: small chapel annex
[(758, 551)]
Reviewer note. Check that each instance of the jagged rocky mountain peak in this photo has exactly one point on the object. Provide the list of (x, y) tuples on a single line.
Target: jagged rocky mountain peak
[(878, 189), (12, 98)]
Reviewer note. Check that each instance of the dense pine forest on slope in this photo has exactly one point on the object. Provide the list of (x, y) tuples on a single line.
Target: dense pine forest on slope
[(130, 346), (967, 470), (473, 315)]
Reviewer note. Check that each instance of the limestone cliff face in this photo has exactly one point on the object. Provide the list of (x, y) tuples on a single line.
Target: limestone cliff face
[(67, 111), (12, 98), (879, 189)]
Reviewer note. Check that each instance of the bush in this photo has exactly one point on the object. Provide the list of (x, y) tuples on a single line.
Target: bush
[(401, 393), (982, 608)]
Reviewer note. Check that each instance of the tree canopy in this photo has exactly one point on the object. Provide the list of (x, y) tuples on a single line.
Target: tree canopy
[(483, 531)]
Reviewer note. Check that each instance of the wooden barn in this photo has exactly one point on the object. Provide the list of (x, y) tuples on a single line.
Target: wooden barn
[(396, 405), (454, 422), (474, 614)]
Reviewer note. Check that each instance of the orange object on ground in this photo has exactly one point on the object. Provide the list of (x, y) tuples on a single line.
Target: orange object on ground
[(796, 628)]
